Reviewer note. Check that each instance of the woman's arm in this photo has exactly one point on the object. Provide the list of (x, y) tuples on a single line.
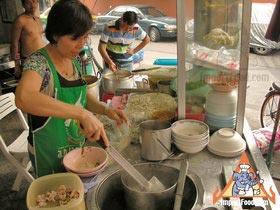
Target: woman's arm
[(31, 100), (94, 105)]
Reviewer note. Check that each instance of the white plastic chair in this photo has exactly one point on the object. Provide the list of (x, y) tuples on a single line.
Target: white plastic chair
[(16, 152)]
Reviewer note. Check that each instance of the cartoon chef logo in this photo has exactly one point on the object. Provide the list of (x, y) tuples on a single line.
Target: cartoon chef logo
[(243, 184)]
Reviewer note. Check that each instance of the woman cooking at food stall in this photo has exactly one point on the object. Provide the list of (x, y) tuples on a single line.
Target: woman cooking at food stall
[(54, 94)]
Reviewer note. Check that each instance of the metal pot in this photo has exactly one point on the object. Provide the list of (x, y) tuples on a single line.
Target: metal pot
[(152, 131), (164, 87), (112, 81), (137, 199), (92, 85), (110, 191)]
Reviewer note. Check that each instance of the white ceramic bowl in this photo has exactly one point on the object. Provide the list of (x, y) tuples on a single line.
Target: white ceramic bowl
[(190, 149), (91, 160), (91, 173), (227, 140), (225, 154), (190, 141), (190, 138), (192, 129), (202, 143)]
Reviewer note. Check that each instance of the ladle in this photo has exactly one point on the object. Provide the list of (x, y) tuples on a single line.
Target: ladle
[(153, 185), (181, 183)]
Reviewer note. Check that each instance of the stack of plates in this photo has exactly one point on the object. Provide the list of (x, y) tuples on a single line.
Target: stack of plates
[(87, 163), (220, 108), (216, 122), (226, 142), (190, 136)]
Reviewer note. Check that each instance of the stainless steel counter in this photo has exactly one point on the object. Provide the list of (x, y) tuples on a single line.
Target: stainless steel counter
[(208, 168)]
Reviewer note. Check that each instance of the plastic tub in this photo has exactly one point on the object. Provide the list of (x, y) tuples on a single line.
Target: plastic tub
[(166, 62), (51, 182)]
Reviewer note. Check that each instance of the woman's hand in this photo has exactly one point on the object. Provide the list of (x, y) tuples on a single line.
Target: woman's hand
[(92, 128), (117, 115)]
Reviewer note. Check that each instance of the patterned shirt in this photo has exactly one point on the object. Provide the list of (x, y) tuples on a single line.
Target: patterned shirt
[(37, 62), (117, 41)]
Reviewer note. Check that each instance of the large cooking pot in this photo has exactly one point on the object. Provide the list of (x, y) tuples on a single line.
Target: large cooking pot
[(156, 200), (112, 81), (110, 190)]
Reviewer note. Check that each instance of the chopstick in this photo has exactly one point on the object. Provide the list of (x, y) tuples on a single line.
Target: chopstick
[(83, 150)]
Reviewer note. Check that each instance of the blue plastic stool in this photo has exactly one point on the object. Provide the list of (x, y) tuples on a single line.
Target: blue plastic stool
[(166, 62)]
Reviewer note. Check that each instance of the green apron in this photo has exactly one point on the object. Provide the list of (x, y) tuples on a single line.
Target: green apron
[(58, 136)]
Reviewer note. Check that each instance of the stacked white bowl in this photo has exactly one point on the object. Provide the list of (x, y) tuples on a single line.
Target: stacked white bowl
[(220, 109), (226, 142), (190, 136)]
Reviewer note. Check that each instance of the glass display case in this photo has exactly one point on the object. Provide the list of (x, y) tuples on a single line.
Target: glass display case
[(213, 53), (213, 46)]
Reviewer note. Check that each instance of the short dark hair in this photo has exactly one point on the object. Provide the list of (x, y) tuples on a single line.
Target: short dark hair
[(130, 18), (68, 17), (23, 2)]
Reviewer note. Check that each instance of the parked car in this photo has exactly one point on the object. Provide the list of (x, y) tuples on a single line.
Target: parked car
[(151, 19), (261, 14)]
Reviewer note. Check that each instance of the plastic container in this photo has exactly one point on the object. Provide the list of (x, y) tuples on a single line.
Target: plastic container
[(52, 182), (221, 103), (166, 62)]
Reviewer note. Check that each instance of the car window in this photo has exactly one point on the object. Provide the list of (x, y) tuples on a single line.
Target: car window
[(152, 12), (118, 11)]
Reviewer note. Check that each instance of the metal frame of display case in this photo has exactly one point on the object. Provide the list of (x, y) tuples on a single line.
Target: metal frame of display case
[(244, 60), (181, 56), (243, 66)]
